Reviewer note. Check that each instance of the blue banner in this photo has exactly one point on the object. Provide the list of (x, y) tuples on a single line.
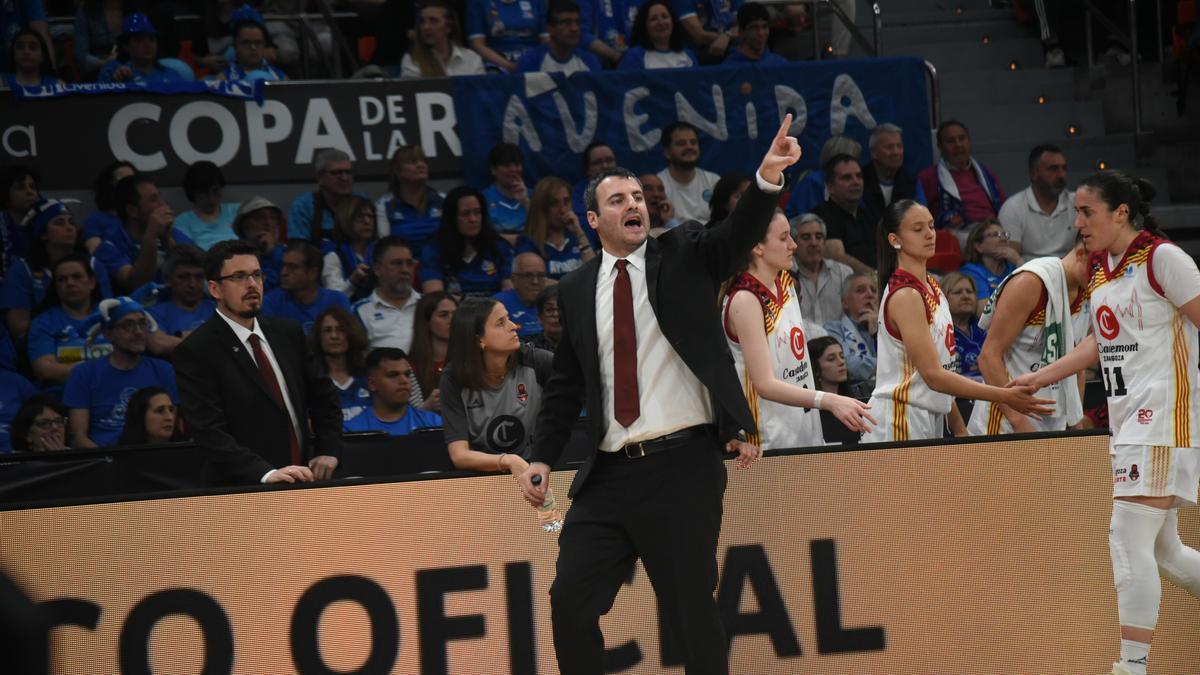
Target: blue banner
[(244, 89), (737, 109)]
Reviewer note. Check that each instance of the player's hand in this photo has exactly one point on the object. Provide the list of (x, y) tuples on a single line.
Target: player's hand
[(784, 152), (534, 494), (290, 474), (748, 453), (323, 466), (850, 411), (1028, 380), (1021, 399)]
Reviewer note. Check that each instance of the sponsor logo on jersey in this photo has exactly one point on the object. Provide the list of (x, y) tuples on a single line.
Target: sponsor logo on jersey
[(797, 340), (1119, 475), (1133, 474), (1107, 323), (522, 395), (1145, 416), (950, 339)]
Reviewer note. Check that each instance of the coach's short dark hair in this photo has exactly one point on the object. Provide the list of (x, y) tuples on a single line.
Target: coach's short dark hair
[(589, 195), (221, 251), (834, 162)]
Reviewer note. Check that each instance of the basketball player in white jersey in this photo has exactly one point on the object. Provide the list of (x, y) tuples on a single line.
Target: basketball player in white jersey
[(915, 380), (1144, 302), (765, 331), (1028, 323)]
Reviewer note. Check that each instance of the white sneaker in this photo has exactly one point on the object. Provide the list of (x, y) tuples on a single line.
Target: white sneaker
[(1055, 58), (1119, 669), (1118, 54)]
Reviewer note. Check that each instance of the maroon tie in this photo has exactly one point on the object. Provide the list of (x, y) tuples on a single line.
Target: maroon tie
[(625, 381), (268, 375)]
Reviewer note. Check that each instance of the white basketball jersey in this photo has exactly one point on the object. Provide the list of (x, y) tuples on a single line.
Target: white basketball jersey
[(1148, 352), (1025, 356), (779, 426), (898, 385)]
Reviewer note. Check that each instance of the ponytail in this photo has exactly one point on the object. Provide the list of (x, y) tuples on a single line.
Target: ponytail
[(1117, 187), (893, 215)]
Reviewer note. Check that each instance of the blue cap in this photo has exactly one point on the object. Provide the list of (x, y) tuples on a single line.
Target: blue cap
[(246, 13), (137, 23), (44, 211), (111, 310)]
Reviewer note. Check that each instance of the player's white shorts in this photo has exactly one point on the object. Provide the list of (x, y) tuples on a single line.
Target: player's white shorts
[(903, 422), (1156, 471)]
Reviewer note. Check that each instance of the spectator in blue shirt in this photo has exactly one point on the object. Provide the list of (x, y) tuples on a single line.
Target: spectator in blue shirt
[(18, 14), (55, 234), (349, 249), (410, 208), (138, 60), (390, 382), (555, 230), (607, 25), (754, 27), (29, 61), (300, 296), (960, 293), (18, 194), (151, 417), (502, 30), (988, 257), (340, 344), (335, 181), (507, 198), (211, 220), (856, 331), (657, 40), (134, 252), (465, 255), (14, 391), (250, 41), (529, 278), (104, 220), (562, 53), (260, 222), (98, 391), (184, 305), (710, 24), (58, 339)]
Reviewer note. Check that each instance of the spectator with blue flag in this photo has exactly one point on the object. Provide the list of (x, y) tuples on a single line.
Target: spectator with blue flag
[(657, 40), (138, 62), (55, 234), (58, 339), (562, 52), (502, 30), (300, 296), (390, 383), (250, 41), (98, 391), (410, 208)]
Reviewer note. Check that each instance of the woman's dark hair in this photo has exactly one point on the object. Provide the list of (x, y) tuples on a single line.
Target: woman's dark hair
[(25, 417), (357, 344), (52, 300), (641, 37), (421, 354), (816, 349), (451, 243), (464, 355), (134, 432), (39, 256), (975, 238), (201, 177), (1117, 187), (10, 176), (44, 69), (103, 185), (893, 215), (726, 186)]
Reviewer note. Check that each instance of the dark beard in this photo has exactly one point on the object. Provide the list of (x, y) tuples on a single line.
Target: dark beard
[(684, 165)]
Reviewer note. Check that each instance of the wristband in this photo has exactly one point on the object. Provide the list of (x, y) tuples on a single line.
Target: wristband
[(817, 399)]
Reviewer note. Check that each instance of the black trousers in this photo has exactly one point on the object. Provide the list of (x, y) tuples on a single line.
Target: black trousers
[(666, 509)]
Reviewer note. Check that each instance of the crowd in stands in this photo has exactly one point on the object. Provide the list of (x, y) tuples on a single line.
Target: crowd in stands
[(428, 309)]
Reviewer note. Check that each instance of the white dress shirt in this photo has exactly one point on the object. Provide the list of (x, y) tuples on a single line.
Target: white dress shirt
[(243, 335)]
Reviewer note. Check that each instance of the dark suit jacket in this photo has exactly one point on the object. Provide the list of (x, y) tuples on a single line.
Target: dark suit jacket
[(231, 412), (904, 186), (685, 268)]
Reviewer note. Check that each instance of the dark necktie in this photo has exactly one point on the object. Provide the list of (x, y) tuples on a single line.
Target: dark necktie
[(268, 375), (625, 381)]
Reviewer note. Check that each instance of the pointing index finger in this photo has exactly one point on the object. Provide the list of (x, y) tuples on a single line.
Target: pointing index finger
[(784, 127)]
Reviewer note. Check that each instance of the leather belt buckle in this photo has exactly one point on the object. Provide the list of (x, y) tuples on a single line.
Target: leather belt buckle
[(635, 450)]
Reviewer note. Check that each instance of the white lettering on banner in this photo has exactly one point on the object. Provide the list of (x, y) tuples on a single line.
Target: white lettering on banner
[(790, 101), (578, 141), (432, 125), (844, 88), (519, 125), (321, 130), (370, 110), (118, 136), (395, 109), (717, 128), (14, 151), (638, 141), (230, 135), (395, 141), (751, 120), (259, 135)]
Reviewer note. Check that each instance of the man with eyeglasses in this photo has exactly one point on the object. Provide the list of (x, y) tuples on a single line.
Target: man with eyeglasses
[(335, 181), (528, 277), (251, 392), (389, 311), (547, 309), (250, 42), (98, 390), (300, 296), (562, 53), (182, 306)]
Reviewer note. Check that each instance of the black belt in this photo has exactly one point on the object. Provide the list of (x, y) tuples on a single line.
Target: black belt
[(655, 445)]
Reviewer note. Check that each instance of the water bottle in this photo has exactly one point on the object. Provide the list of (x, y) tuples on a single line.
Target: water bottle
[(548, 516)]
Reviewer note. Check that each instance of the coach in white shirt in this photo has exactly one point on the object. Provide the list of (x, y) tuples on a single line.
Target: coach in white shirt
[(1041, 218)]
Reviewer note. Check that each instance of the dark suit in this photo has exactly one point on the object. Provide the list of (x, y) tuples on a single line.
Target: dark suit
[(231, 412), (904, 186), (666, 507)]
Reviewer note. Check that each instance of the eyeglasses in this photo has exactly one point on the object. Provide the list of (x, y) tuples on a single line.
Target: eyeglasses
[(532, 276), (340, 173), (52, 423), (240, 278), (141, 324), (550, 310), (997, 234)]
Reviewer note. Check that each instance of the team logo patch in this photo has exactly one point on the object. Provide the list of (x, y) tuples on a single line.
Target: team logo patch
[(950, 339), (505, 433), (522, 395), (1106, 322), (1133, 474), (797, 340), (1145, 416)]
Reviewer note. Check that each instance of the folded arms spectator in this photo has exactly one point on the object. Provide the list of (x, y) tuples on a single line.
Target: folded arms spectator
[(850, 239)]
